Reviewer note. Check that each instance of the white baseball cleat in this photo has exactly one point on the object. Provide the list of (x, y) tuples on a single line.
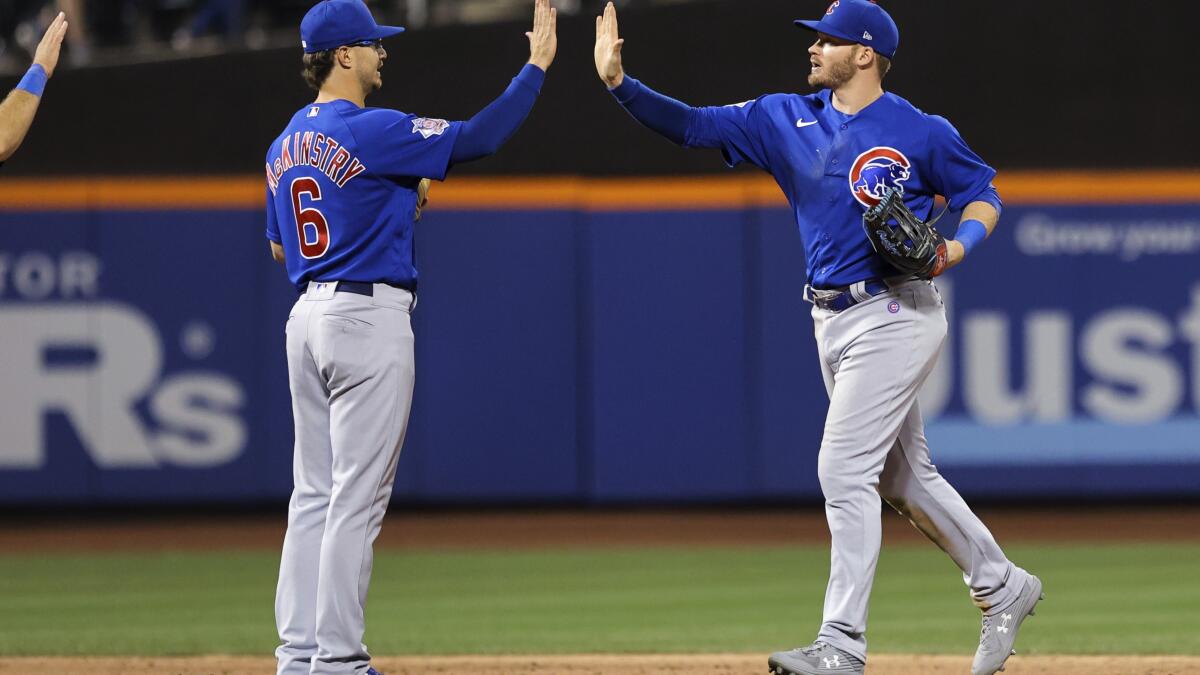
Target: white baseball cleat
[(999, 632)]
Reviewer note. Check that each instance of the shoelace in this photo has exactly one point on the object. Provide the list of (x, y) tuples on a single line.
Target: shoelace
[(813, 648)]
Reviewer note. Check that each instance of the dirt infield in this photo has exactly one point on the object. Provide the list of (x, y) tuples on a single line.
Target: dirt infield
[(574, 528), (709, 664)]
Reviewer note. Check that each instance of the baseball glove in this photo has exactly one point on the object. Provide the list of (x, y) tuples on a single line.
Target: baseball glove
[(906, 242)]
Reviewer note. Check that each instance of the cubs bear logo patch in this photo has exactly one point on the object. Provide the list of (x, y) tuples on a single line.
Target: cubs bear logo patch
[(877, 170)]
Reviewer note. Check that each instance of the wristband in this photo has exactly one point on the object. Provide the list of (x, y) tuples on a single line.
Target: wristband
[(970, 233), (34, 81)]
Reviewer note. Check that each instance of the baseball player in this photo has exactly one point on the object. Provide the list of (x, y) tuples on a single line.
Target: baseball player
[(836, 154), (345, 184), (19, 107)]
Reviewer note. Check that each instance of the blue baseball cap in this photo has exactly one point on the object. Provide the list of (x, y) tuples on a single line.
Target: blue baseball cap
[(333, 23), (860, 21)]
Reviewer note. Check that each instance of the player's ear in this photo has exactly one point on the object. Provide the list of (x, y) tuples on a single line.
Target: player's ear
[(867, 57), (343, 56)]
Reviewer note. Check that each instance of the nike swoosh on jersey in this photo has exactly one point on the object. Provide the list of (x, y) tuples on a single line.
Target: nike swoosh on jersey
[(800, 123)]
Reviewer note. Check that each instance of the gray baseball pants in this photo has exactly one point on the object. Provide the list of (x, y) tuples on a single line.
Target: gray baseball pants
[(350, 369), (874, 357)]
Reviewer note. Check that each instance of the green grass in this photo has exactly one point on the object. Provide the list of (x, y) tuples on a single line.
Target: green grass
[(1100, 599)]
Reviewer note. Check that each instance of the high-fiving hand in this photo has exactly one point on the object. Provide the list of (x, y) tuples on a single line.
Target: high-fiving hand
[(47, 51), (608, 48), (543, 39)]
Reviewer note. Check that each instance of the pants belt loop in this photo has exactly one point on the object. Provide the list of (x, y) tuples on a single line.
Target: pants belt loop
[(858, 291)]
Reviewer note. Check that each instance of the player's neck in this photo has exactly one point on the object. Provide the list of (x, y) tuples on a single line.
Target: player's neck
[(852, 97), (346, 91)]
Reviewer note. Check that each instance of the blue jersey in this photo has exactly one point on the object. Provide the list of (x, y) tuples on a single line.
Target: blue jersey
[(342, 190), (833, 167)]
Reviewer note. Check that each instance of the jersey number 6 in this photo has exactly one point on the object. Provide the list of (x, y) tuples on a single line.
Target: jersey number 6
[(311, 226)]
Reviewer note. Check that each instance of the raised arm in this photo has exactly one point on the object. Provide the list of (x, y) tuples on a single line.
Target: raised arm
[(490, 128), (19, 107), (660, 113), (608, 48)]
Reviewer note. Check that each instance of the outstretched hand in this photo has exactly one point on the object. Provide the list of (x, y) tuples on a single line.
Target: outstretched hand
[(543, 39), (48, 49), (608, 48)]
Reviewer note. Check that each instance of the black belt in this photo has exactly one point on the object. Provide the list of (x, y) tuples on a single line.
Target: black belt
[(841, 299), (367, 288)]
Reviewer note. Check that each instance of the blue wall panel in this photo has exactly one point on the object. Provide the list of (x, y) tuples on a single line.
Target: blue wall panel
[(157, 349), (592, 356), (668, 356), (789, 398), (494, 410)]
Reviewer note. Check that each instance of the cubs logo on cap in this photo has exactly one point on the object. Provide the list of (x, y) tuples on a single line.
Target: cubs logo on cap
[(333, 23), (859, 21), (875, 172)]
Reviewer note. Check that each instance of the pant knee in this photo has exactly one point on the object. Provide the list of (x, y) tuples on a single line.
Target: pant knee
[(829, 474), (840, 482)]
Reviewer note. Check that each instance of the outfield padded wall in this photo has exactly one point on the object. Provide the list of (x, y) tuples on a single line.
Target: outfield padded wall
[(591, 341)]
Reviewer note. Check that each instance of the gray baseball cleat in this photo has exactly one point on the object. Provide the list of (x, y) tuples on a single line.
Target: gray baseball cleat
[(999, 632), (818, 658)]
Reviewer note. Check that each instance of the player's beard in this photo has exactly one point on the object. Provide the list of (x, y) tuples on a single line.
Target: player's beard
[(371, 79), (371, 82), (833, 74)]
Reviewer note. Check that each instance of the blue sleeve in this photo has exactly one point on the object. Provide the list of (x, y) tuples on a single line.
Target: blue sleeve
[(660, 113), (735, 129), (732, 128), (483, 134), (990, 196), (957, 173), (396, 144), (272, 219)]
